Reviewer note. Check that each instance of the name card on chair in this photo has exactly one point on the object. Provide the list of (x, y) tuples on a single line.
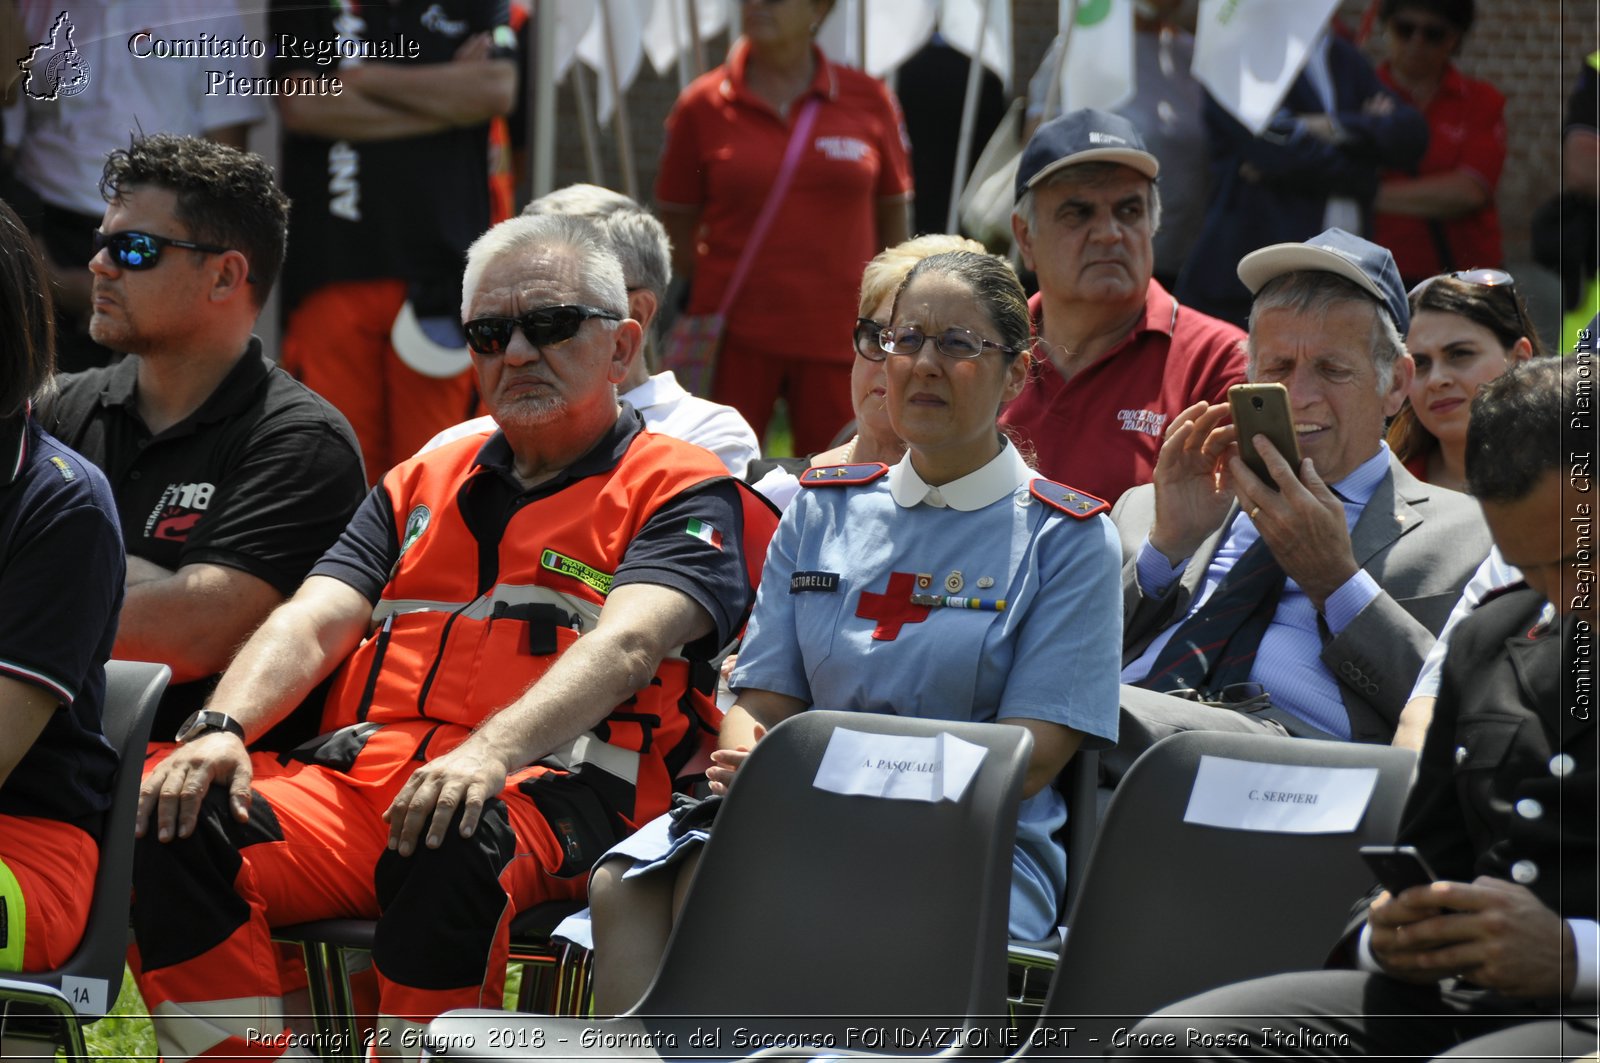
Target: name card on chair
[(1279, 798), (901, 767)]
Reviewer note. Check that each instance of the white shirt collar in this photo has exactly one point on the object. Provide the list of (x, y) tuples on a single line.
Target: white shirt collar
[(659, 389), (984, 486)]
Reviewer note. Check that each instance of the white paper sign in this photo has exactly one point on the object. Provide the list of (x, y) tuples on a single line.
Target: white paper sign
[(899, 767), (1279, 798), (88, 995)]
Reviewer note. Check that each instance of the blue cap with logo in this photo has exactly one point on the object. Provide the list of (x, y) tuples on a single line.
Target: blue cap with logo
[(1362, 262), (1082, 136)]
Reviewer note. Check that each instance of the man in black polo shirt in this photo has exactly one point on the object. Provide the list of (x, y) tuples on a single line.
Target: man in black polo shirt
[(231, 479)]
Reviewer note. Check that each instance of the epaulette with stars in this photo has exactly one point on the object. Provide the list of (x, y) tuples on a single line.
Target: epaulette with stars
[(843, 475), (1069, 500)]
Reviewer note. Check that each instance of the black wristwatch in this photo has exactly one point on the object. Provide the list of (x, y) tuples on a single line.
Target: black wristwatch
[(204, 722)]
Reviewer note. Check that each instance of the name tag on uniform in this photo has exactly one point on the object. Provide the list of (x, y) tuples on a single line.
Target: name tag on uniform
[(813, 581)]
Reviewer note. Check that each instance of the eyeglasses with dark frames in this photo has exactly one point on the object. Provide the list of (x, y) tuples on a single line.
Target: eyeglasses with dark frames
[(907, 340), (1243, 696), (866, 339), (134, 250), (547, 326)]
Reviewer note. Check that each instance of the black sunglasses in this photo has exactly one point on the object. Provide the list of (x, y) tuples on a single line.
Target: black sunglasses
[(1484, 278), (952, 342), (1431, 32), (1488, 278), (136, 250), (544, 327), (866, 339)]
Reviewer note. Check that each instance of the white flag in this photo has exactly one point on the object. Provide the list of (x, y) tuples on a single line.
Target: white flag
[(573, 19), (896, 29), (666, 30), (1247, 53), (959, 20), (626, 18), (1098, 69)]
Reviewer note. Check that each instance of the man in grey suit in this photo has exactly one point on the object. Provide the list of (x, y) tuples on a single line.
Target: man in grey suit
[(1304, 606)]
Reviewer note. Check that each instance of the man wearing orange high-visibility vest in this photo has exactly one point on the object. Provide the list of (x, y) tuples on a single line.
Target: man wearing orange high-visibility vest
[(516, 625)]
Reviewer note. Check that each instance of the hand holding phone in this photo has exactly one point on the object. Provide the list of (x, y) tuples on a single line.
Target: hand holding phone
[(1263, 409), (1398, 867)]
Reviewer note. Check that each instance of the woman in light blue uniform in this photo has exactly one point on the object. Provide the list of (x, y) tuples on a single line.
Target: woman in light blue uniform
[(954, 585)]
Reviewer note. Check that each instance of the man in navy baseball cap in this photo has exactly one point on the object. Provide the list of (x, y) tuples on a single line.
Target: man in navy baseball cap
[(1117, 357)]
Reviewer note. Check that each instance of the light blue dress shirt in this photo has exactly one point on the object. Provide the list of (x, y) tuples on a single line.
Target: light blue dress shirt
[(1289, 660)]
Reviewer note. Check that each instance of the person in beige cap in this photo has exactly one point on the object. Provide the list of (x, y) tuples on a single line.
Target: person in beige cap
[(1312, 600)]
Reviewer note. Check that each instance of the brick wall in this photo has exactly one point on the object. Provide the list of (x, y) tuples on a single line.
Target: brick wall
[(1528, 48)]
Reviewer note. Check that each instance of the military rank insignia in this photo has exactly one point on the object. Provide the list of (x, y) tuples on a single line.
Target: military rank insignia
[(1072, 502), (843, 475)]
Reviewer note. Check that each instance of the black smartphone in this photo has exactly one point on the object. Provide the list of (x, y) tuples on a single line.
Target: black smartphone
[(1263, 409), (1398, 867)]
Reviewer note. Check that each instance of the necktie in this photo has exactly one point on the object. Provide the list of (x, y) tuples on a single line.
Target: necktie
[(1217, 644)]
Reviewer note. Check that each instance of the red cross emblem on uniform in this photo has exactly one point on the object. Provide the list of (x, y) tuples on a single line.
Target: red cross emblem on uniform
[(893, 607)]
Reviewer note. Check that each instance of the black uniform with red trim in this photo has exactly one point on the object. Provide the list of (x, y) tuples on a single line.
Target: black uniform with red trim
[(478, 585), (261, 478)]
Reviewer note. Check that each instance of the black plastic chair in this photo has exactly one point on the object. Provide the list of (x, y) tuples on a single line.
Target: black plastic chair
[(812, 909), (1167, 909), (57, 1004)]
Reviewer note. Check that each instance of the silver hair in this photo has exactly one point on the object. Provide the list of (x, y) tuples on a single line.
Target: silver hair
[(1085, 173), (636, 235), (600, 280), (1313, 292)]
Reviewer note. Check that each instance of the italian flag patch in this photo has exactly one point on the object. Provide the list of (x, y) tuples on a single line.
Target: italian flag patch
[(705, 533)]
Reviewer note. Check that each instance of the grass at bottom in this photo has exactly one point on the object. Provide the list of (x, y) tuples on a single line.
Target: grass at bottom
[(126, 1032)]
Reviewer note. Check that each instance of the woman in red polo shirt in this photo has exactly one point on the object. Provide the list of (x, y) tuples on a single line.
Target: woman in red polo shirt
[(1441, 218), (788, 330)]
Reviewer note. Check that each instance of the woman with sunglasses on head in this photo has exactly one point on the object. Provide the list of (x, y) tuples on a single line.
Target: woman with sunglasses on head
[(1466, 329), (955, 585), (872, 438), (61, 579), (1441, 217), (778, 107)]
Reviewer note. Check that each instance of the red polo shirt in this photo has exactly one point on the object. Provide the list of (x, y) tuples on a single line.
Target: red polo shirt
[(723, 151), (1101, 430), (1466, 131)]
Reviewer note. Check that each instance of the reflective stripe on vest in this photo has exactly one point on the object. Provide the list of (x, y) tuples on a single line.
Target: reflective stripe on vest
[(13, 920)]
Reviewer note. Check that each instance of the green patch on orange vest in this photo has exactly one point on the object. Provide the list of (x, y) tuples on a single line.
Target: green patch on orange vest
[(599, 581)]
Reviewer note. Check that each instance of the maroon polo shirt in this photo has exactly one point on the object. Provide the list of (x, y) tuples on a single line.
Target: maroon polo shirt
[(1101, 431)]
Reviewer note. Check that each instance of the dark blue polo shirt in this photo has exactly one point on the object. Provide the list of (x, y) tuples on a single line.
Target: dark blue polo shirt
[(61, 580)]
